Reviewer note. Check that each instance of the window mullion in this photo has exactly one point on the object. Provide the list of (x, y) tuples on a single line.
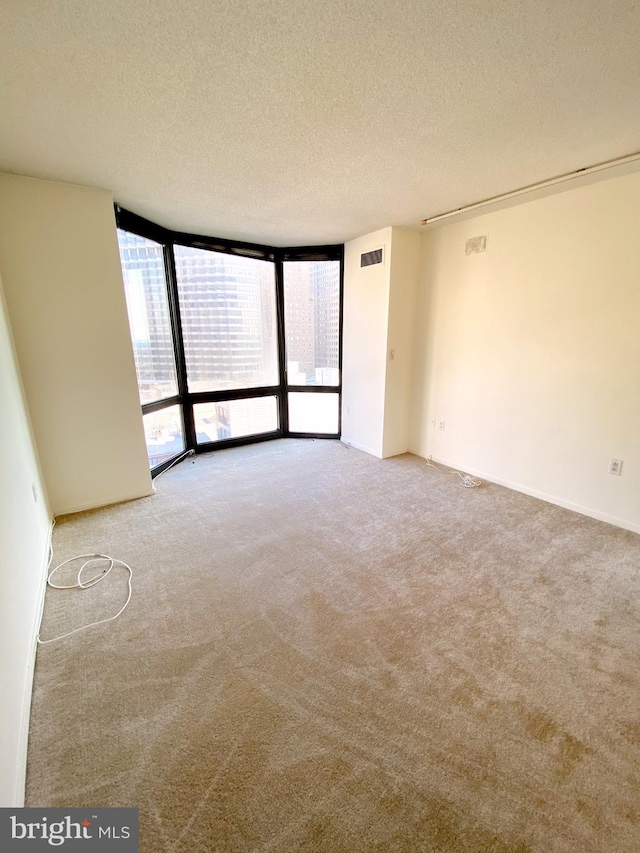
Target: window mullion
[(282, 355), (178, 343)]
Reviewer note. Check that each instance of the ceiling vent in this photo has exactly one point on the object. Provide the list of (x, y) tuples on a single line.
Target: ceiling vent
[(368, 259)]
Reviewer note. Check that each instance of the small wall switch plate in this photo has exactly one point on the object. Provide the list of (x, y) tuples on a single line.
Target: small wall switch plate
[(615, 467)]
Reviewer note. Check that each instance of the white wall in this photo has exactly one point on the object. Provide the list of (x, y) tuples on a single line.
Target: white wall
[(530, 352), (364, 343), (66, 303), (24, 538), (403, 287), (378, 330)]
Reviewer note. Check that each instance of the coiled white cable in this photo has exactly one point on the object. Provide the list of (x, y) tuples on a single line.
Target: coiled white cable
[(468, 481), (80, 584)]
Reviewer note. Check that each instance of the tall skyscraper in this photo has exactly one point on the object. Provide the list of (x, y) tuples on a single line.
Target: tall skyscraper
[(146, 292), (312, 321), (325, 287), (227, 309)]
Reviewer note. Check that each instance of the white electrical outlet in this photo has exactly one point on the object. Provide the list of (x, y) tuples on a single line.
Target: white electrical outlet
[(441, 426), (615, 467), (34, 492)]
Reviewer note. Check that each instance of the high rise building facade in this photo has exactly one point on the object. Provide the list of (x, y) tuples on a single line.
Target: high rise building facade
[(147, 302), (325, 287), (228, 316), (312, 321)]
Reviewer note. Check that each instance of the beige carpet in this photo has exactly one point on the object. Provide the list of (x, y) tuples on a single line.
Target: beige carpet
[(328, 652)]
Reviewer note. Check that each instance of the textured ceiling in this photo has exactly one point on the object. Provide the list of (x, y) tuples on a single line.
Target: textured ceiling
[(294, 122)]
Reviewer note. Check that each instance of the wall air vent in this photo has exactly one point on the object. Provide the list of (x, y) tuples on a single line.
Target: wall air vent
[(367, 259), (476, 245)]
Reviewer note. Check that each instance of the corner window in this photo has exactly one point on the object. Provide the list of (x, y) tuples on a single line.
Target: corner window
[(233, 342)]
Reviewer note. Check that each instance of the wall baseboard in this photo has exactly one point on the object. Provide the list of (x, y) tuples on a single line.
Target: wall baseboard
[(23, 737), (389, 454), (109, 502), (624, 523), (355, 446)]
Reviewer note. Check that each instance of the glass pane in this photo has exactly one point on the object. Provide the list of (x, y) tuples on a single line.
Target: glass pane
[(146, 292), (228, 310), (164, 434), (310, 412), (235, 418), (312, 321)]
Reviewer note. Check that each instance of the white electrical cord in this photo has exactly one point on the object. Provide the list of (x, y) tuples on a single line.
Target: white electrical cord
[(468, 481), (175, 462), (80, 584)]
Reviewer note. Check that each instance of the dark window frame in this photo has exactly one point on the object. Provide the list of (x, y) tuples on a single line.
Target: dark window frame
[(129, 221)]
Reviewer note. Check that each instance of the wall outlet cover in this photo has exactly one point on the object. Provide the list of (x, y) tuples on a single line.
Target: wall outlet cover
[(615, 467)]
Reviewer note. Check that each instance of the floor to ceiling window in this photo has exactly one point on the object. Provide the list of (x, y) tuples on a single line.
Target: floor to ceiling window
[(312, 344), (233, 342), (230, 334), (145, 287)]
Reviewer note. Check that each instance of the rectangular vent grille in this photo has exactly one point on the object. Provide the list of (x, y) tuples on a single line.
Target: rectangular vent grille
[(367, 259)]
